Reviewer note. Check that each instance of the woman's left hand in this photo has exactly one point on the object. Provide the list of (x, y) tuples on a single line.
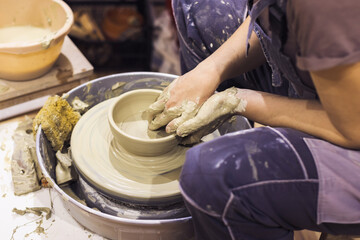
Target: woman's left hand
[(215, 111)]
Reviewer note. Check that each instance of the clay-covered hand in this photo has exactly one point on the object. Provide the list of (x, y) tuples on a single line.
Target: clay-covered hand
[(181, 100), (216, 110)]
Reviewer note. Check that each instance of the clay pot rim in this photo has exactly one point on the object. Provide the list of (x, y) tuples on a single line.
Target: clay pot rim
[(169, 138), (24, 48)]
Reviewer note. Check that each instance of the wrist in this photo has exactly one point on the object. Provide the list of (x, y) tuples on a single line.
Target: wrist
[(243, 95), (210, 68)]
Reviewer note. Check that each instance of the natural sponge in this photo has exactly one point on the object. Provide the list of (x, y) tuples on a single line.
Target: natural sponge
[(57, 120)]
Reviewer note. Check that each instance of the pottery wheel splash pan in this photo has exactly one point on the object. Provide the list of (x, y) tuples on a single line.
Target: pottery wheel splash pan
[(116, 224)]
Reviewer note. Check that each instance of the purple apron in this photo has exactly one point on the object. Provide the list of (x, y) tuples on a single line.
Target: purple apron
[(339, 187)]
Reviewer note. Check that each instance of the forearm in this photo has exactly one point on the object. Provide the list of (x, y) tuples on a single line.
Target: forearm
[(230, 59), (308, 116)]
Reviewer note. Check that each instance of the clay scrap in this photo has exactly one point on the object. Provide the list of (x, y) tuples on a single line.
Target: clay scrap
[(64, 171), (24, 166), (34, 210)]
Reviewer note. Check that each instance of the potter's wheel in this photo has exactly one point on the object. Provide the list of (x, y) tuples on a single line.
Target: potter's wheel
[(118, 174), (115, 224)]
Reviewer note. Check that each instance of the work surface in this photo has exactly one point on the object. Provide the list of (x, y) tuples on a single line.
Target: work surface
[(60, 225)]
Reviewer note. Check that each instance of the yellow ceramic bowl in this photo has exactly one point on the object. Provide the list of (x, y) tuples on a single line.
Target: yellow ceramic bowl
[(28, 59)]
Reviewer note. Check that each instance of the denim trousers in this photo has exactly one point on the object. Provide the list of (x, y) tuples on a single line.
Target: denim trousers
[(254, 184)]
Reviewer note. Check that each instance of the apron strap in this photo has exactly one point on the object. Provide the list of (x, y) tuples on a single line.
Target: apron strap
[(278, 24), (255, 12)]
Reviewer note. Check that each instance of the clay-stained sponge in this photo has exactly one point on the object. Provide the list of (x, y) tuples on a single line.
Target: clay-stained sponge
[(57, 119)]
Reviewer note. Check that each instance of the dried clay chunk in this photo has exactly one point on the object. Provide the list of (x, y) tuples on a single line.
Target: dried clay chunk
[(24, 167), (57, 120)]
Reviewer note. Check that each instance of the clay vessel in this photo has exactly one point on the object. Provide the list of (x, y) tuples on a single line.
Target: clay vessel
[(128, 123)]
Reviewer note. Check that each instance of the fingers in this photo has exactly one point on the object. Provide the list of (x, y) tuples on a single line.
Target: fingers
[(197, 135), (164, 118), (154, 109), (209, 111), (212, 113), (159, 105), (190, 126), (189, 110), (175, 115)]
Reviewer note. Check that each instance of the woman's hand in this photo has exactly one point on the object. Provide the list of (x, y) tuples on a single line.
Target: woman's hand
[(181, 100), (215, 111)]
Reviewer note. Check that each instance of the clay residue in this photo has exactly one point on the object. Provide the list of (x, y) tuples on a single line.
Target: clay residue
[(38, 211), (3, 88), (165, 83), (34, 210), (24, 170), (88, 87), (64, 170), (2, 146), (117, 85), (79, 105), (63, 74), (67, 189), (115, 90)]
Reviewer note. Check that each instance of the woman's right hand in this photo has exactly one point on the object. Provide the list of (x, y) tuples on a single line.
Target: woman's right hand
[(181, 100)]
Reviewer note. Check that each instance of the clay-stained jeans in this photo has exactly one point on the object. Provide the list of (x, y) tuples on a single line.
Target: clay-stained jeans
[(255, 184)]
